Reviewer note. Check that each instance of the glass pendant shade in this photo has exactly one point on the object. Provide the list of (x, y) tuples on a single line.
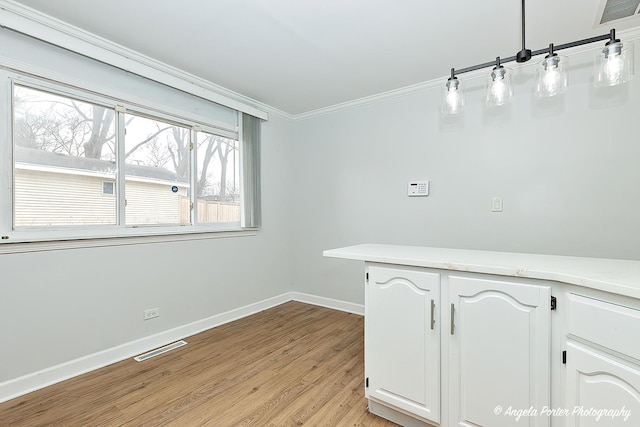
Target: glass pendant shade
[(499, 90), (452, 97), (614, 65), (551, 76)]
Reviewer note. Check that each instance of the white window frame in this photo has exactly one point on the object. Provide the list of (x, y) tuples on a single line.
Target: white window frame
[(100, 235)]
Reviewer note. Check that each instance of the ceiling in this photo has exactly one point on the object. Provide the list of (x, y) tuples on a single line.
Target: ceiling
[(302, 55)]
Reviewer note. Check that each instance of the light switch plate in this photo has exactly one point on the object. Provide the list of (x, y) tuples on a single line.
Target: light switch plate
[(496, 204)]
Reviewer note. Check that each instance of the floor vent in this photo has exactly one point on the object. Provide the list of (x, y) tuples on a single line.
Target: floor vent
[(159, 351)]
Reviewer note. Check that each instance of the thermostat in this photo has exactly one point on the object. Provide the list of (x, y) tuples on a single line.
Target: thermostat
[(418, 188)]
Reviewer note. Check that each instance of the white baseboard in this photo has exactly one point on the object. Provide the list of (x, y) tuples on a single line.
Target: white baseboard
[(46, 377), (349, 307), (55, 374)]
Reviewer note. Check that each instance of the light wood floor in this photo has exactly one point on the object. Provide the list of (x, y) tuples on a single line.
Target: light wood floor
[(295, 364)]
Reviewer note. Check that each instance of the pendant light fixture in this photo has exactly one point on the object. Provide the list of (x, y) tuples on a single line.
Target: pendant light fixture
[(452, 96), (551, 75), (499, 89), (614, 66)]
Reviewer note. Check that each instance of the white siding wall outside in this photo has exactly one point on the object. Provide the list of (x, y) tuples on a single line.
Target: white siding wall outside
[(58, 199), (153, 203), (62, 199)]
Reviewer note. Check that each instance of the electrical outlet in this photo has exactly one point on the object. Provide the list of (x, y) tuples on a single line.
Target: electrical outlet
[(151, 313)]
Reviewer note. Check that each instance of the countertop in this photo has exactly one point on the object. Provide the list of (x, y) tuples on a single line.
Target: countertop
[(611, 275)]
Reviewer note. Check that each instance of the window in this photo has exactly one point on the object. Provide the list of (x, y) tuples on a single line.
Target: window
[(85, 165), (63, 151), (158, 172), (218, 183), (107, 187)]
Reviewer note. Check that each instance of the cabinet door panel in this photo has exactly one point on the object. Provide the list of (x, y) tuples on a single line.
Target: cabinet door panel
[(597, 381), (402, 355), (499, 351)]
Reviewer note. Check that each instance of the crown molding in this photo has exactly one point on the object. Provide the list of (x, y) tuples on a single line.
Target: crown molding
[(275, 112), (28, 21), (372, 99)]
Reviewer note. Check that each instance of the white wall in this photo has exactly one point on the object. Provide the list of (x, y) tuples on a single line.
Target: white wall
[(60, 305), (567, 169)]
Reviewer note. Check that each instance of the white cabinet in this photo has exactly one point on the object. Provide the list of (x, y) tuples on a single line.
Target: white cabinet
[(497, 352), (499, 337), (599, 381), (402, 340), (603, 363)]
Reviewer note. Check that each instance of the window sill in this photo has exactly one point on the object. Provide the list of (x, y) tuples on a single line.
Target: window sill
[(60, 243)]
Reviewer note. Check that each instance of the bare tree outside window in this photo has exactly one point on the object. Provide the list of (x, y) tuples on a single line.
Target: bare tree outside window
[(57, 124), (218, 184), (64, 150), (157, 165)]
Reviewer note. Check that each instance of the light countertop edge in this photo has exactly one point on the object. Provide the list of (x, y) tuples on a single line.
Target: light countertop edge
[(617, 276)]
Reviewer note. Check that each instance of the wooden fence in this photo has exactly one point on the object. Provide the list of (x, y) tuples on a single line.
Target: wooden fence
[(210, 211)]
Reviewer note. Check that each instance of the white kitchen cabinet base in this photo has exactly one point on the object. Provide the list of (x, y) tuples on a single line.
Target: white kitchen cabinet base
[(493, 313), (395, 416), (498, 350), (402, 344)]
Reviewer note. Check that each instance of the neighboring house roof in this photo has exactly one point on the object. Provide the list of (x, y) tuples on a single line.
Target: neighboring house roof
[(32, 156)]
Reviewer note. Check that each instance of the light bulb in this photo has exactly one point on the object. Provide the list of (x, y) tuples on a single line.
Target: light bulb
[(552, 76), (551, 80), (453, 100), (498, 90), (452, 96), (613, 67)]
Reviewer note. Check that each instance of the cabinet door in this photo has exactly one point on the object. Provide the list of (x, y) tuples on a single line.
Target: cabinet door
[(402, 340), (598, 381), (499, 338)]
